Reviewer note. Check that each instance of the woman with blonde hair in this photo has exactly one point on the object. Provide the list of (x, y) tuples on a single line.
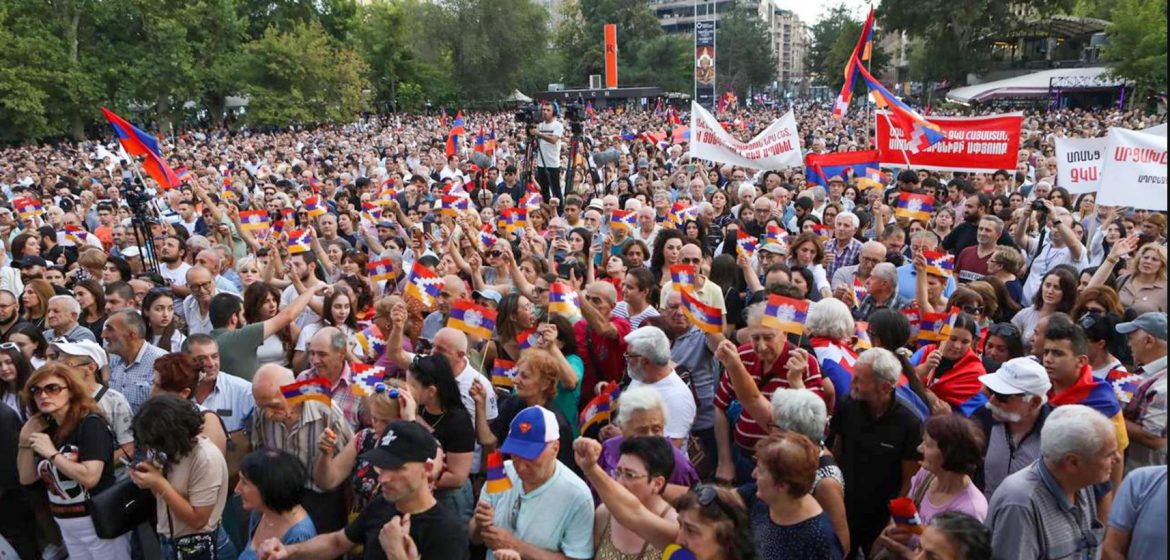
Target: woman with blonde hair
[(67, 444), (1142, 287), (537, 373), (35, 301)]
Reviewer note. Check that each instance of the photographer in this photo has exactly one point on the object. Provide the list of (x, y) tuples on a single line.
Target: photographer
[(548, 155), (1056, 244)]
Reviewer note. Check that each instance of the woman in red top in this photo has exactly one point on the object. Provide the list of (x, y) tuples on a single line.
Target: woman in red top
[(951, 372)]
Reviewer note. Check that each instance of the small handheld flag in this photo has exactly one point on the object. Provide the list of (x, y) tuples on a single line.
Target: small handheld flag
[(366, 377), (253, 220), (314, 206), (454, 205), (76, 235), (905, 515), (562, 299), (315, 389), (597, 410), (531, 200), (746, 243), (682, 214), (776, 234), (503, 373), (939, 263), (527, 339), (487, 240), (822, 231), (677, 552), (298, 241), (423, 284), (285, 221), (707, 318), (381, 270), (861, 336), (682, 276), (497, 478), (859, 292), (475, 320), (514, 218), (785, 314), (371, 213), (27, 207), (370, 341), (914, 206), (934, 328), (623, 219)]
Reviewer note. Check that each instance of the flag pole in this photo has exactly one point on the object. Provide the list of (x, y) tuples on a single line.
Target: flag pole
[(905, 156)]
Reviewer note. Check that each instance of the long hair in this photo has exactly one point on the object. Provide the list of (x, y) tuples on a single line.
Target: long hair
[(658, 255), (1006, 305), (435, 371), (507, 312), (725, 513), (1068, 289), (167, 333), (327, 309), (177, 371), (34, 334), (44, 291), (254, 297), (80, 405), (99, 296), (24, 371)]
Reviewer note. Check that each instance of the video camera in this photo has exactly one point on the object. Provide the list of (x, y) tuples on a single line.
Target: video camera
[(136, 197), (528, 114)]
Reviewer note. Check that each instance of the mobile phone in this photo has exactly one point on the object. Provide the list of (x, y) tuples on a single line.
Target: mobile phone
[(598, 239), (690, 168)]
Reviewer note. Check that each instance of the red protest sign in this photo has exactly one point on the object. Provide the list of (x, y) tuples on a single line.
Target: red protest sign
[(979, 144)]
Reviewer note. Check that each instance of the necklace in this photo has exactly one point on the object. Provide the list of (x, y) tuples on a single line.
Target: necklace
[(434, 424)]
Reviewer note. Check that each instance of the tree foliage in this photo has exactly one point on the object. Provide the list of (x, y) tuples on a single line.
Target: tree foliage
[(743, 52), (1137, 43), (824, 35)]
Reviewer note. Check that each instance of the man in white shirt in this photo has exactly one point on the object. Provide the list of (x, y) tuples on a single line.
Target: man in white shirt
[(648, 363), (1056, 245), (548, 157)]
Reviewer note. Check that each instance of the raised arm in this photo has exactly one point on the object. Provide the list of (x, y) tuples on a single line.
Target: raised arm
[(625, 507)]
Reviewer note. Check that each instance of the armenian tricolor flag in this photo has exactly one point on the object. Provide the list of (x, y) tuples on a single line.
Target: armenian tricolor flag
[(514, 219), (823, 231), (423, 284), (480, 141), (627, 219), (475, 320), (939, 263), (841, 106), (381, 270), (562, 298), (497, 477), (871, 178), (914, 206), (746, 243), (682, 276), (315, 389), (457, 130), (370, 341), (298, 241), (134, 140), (314, 206), (785, 314), (454, 205), (527, 339), (597, 410), (922, 133), (28, 207), (1094, 393), (707, 318), (503, 373), (491, 141), (776, 234), (861, 336), (365, 377)]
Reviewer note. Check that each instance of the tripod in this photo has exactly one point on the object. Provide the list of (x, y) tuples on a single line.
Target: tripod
[(140, 222), (578, 145)]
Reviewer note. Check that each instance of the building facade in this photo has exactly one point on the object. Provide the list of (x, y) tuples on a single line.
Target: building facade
[(789, 39)]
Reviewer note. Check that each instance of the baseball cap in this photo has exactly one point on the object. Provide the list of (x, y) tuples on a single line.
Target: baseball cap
[(32, 260), (402, 442), (710, 190), (1018, 376), (530, 432), (1153, 322), (83, 348), (488, 294), (131, 252), (773, 248), (643, 163)]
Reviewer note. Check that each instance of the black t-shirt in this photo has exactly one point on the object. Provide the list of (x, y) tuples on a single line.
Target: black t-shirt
[(437, 532), (453, 429), (91, 441), (10, 426)]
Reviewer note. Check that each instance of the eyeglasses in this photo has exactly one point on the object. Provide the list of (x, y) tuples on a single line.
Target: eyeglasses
[(383, 388), (623, 474), (539, 290), (707, 494), (696, 260), (50, 389), (202, 287)]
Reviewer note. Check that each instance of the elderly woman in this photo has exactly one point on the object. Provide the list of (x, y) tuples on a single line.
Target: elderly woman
[(830, 329), (640, 413)]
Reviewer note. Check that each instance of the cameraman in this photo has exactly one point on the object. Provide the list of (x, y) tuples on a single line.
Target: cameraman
[(548, 155), (1055, 245)]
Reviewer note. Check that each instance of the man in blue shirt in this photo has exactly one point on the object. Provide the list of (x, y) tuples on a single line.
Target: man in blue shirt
[(1137, 519)]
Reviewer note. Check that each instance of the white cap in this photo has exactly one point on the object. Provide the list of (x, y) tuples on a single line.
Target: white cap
[(1018, 376), (84, 348)]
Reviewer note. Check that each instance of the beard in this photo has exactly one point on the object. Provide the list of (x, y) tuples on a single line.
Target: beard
[(972, 218), (1002, 415), (168, 259)]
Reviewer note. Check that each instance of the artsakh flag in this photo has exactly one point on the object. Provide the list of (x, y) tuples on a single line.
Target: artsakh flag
[(487, 240), (598, 409), (859, 292), (861, 336), (785, 314), (527, 339), (682, 277), (562, 299), (1125, 384), (503, 373), (371, 213), (497, 477), (746, 243), (776, 234), (934, 328), (623, 219), (366, 377), (914, 206), (870, 178), (370, 341), (707, 318), (514, 218), (28, 207), (315, 389), (822, 231), (531, 200), (381, 270), (939, 263), (475, 320), (314, 206), (681, 214), (423, 284), (454, 205), (298, 241)]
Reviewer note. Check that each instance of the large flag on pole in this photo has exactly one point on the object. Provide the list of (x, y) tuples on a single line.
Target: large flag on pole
[(923, 133), (861, 51)]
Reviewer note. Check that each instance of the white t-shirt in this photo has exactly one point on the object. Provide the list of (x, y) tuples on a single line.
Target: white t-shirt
[(1048, 258), (679, 403), (308, 316), (465, 380), (177, 276), (550, 153)]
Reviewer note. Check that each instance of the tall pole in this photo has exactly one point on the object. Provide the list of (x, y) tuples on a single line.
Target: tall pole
[(905, 156)]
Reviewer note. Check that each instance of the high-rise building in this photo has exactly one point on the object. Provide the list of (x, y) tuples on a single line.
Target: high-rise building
[(789, 39), (678, 16)]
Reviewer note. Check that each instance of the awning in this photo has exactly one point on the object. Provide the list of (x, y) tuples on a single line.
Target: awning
[(1037, 84)]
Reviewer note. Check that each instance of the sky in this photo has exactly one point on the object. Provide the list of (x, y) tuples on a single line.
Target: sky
[(810, 11)]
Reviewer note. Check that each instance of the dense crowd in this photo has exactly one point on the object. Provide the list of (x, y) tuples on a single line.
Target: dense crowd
[(260, 363)]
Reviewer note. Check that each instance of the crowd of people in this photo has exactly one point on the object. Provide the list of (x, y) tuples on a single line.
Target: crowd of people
[(260, 363)]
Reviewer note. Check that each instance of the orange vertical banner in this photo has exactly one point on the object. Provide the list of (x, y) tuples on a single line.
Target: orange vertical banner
[(611, 56)]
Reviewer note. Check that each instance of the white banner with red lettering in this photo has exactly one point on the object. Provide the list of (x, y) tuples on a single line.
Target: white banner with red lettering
[(777, 147), (1078, 163), (1133, 170)]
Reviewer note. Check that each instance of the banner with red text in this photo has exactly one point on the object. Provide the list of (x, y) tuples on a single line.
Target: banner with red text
[(976, 144), (1078, 163), (1133, 170), (777, 147)]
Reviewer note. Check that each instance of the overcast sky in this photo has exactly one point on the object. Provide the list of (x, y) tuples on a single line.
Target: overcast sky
[(810, 11)]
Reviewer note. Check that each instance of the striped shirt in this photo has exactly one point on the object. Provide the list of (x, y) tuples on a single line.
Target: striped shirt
[(135, 379), (747, 431), (300, 439), (1030, 517), (344, 398)]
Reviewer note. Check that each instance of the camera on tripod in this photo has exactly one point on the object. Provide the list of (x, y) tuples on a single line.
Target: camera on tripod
[(528, 114)]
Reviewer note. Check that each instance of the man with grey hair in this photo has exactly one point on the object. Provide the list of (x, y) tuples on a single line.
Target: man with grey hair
[(872, 252), (1018, 403), (648, 227), (327, 350), (875, 438), (648, 364), (131, 356), (971, 262), (195, 308), (61, 317), (1048, 509), (881, 292), (843, 249)]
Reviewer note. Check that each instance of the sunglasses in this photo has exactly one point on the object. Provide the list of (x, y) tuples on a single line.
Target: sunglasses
[(973, 309), (706, 494), (50, 389), (382, 388), (1004, 330), (1000, 396), (9, 346)]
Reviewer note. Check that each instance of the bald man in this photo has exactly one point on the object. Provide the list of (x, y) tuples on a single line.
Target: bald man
[(453, 288), (213, 261), (195, 308), (327, 352), (295, 428)]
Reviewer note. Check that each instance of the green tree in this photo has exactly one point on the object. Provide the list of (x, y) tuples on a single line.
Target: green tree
[(742, 47), (666, 61), (379, 38), (580, 36), (1137, 44), (301, 76), (489, 40), (824, 34)]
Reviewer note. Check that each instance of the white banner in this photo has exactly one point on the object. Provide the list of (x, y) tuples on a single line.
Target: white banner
[(1159, 130), (1133, 171), (777, 147), (1078, 163)]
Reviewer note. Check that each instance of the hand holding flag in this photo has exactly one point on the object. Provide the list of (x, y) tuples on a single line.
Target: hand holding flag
[(475, 320), (785, 314)]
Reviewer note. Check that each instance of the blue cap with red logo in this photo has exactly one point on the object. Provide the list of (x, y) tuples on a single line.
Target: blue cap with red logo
[(531, 431)]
